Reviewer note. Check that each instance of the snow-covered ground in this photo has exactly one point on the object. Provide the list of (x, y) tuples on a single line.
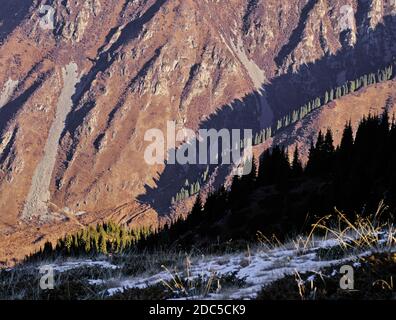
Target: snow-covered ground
[(67, 266), (255, 267)]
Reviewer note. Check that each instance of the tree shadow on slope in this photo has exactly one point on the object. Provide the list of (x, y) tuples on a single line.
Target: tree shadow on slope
[(11, 14), (102, 63), (284, 93)]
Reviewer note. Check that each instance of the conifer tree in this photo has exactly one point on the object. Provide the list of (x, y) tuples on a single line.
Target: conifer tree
[(338, 93), (124, 239), (192, 189), (87, 246), (68, 243), (385, 125), (102, 243), (318, 102), (297, 168), (347, 139), (48, 249), (197, 208), (331, 95), (320, 142), (326, 99), (329, 143), (352, 86)]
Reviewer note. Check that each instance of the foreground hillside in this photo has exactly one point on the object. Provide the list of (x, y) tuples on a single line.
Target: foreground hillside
[(303, 268), (284, 231)]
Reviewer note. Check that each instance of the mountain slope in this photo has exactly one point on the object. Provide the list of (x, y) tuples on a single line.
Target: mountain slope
[(138, 65)]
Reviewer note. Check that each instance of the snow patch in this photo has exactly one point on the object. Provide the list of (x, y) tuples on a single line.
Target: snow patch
[(72, 265), (259, 268)]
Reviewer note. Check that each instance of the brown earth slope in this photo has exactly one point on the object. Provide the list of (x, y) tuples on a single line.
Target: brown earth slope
[(76, 101), (372, 100)]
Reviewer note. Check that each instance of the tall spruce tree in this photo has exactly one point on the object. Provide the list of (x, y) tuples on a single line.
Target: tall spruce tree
[(347, 139), (328, 143), (297, 168)]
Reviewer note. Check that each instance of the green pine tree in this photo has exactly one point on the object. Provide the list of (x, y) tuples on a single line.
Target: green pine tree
[(352, 86), (327, 98), (102, 243), (68, 243)]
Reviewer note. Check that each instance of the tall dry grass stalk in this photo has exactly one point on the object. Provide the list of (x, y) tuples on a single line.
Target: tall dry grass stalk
[(360, 233)]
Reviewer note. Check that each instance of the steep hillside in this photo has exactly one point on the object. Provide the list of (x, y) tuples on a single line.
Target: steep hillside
[(372, 100), (76, 101), (274, 235)]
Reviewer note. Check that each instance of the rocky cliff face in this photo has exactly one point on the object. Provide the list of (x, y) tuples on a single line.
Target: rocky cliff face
[(77, 99)]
